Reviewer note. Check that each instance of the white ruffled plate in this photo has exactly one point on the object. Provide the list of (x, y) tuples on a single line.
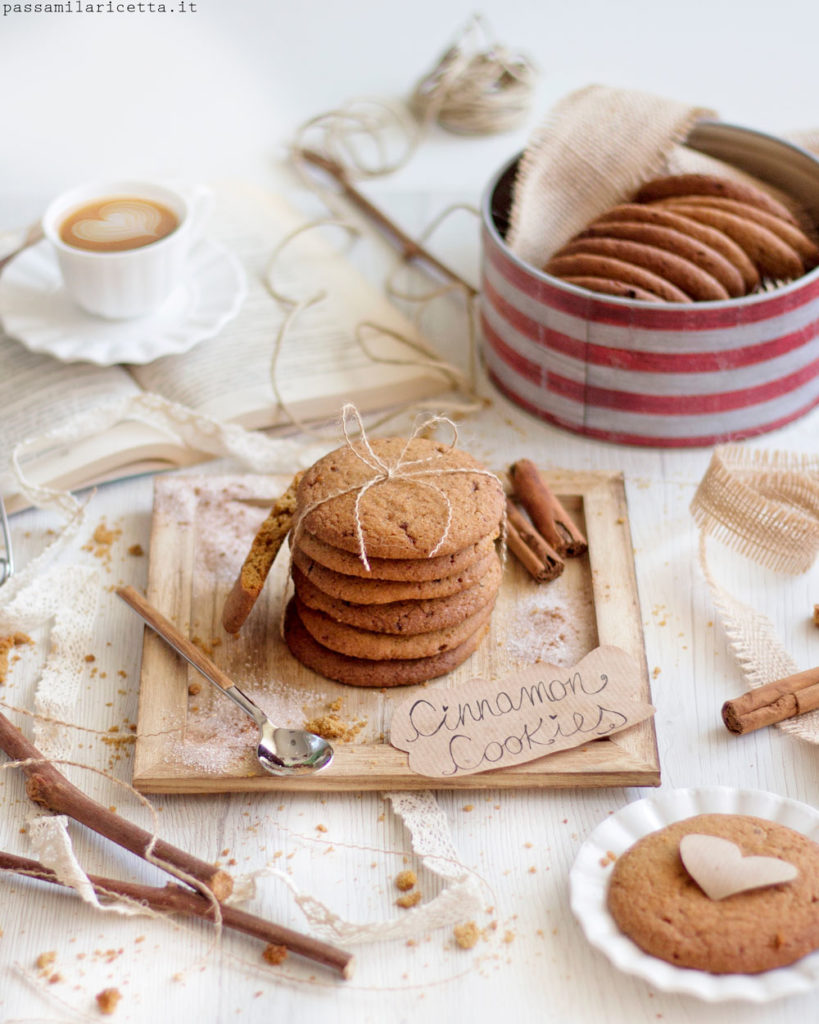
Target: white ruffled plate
[(36, 309), (589, 885)]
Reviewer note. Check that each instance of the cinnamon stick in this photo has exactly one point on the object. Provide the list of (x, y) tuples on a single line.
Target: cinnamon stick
[(773, 702), (540, 559), (546, 511), (47, 787), (173, 899)]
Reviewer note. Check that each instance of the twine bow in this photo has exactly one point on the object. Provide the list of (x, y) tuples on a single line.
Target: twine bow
[(401, 468)]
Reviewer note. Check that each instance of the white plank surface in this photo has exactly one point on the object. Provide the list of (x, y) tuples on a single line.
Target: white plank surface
[(521, 844), (224, 90)]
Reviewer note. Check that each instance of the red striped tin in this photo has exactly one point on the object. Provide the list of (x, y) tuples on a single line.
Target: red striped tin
[(669, 375)]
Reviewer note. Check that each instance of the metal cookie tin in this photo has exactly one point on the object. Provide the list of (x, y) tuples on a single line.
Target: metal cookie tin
[(661, 375)]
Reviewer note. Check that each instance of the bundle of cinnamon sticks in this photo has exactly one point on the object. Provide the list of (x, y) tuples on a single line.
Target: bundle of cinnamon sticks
[(542, 544)]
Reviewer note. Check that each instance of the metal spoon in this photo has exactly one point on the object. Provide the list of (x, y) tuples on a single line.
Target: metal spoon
[(279, 751)]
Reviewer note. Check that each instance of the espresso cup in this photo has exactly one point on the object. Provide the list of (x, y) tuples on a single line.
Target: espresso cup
[(123, 283)]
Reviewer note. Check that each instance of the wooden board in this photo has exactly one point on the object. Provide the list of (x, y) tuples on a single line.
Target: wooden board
[(198, 742)]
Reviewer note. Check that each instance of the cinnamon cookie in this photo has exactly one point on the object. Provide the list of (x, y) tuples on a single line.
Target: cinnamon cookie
[(711, 185), (772, 256), (402, 617), (360, 643), (361, 672), (393, 568), (685, 275), (609, 287), (664, 215), (360, 591), (793, 236), (439, 500), (661, 236), (596, 265), (659, 906)]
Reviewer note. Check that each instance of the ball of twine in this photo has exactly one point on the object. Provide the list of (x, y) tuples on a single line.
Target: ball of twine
[(474, 90)]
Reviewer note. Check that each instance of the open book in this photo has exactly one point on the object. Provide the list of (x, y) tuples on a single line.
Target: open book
[(320, 365)]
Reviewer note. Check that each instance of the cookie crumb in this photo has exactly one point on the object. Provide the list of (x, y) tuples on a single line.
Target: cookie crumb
[(406, 880), (273, 954), (194, 689), (466, 935), (816, 615), (409, 899), (45, 960), (136, 550), (321, 828), (7, 645), (107, 1000)]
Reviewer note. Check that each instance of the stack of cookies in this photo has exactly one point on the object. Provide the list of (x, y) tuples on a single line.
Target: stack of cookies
[(394, 563), (688, 238)]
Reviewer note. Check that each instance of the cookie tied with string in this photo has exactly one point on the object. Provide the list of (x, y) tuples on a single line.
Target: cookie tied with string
[(398, 498)]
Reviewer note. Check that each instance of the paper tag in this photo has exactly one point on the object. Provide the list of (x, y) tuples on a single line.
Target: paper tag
[(528, 714), (719, 868)]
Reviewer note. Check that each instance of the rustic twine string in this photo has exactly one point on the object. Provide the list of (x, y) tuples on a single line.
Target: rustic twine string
[(478, 87), (295, 307), (474, 90)]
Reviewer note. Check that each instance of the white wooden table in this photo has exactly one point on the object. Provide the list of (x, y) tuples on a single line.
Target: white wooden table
[(521, 844), (223, 94)]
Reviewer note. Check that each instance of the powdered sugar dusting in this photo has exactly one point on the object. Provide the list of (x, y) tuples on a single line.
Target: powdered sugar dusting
[(554, 622)]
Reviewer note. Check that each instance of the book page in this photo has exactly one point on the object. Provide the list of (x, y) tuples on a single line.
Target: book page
[(320, 365), (38, 392)]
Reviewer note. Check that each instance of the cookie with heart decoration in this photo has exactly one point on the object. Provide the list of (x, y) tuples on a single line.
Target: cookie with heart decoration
[(720, 869), (722, 893)]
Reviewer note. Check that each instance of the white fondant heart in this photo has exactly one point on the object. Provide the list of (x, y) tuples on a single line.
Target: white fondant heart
[(119, 221), (719, 868)]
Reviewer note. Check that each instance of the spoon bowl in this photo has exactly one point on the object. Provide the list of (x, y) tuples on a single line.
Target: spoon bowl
[(279, 751)]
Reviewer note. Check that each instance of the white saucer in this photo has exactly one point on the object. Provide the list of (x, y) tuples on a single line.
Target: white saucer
[(36, 309), (589, 887)]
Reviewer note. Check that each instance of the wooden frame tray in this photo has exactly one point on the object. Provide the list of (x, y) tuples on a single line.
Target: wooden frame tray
[(190, 739)]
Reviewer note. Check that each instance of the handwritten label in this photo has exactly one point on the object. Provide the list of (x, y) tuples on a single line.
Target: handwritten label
[(536, 711)]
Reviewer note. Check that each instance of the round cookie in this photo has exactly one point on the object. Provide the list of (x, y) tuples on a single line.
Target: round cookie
[(606, 286), (589, 264), (359, 643), (402, 617), (360, 672), (393, 568), (710, 185), (661, 236), (444, 502), (663, 910), (685, 275), (711, 236), (360, 591)]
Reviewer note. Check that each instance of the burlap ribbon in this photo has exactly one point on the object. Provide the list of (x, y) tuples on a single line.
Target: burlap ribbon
[(764, 505), (593, 150)]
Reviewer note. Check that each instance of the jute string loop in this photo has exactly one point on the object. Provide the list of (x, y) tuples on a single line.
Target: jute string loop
[(764, 505), (474, 90)]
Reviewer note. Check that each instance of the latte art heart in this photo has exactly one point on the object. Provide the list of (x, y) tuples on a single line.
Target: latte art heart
[(119, 221), (114, 223), (720, 870)]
